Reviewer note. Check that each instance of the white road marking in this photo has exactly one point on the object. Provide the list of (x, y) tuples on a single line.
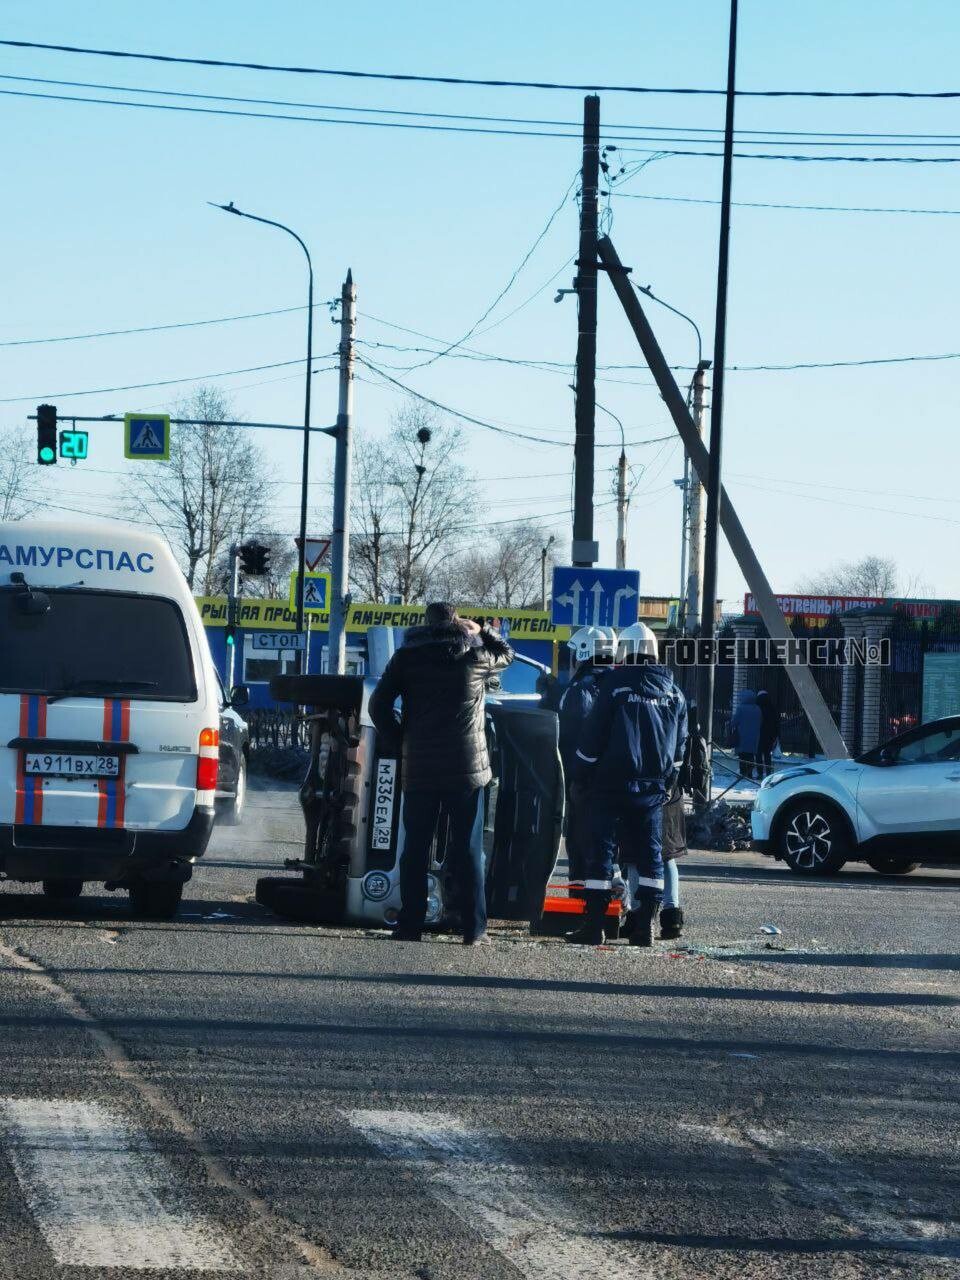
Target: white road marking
[(476, 1181), (100, 1194), (875, 1208)]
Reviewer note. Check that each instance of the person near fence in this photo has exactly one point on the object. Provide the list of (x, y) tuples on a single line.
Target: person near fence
[(440, 673), (745, 730), (627, 756), (769, 733), (594, 649)]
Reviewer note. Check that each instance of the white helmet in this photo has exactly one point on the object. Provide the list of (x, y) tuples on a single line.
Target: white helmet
[(636, 641), (593, 642)]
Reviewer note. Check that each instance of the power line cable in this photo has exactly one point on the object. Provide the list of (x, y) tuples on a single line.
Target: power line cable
[(485, 119), (165, 382), (153, 328), (436, 128), (809, 208), (489, 426), (508, 286), (486, 83)]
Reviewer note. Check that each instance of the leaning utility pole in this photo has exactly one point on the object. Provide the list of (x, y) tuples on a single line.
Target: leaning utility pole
[(622, 503), (695, 505), (585, 550), (712, 528), (340, 549)]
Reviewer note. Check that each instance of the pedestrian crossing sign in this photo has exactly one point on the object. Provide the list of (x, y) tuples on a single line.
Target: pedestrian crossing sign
[(316, 592), (146, 437)]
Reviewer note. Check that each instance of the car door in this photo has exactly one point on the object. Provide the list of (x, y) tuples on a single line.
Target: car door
[(913, 784)]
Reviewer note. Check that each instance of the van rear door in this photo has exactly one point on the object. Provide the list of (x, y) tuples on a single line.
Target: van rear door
[(99, 711)]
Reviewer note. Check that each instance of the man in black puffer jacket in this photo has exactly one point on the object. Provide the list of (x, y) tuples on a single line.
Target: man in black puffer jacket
[(440, 672)]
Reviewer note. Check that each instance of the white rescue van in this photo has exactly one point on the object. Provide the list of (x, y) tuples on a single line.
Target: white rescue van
[(109, 713)]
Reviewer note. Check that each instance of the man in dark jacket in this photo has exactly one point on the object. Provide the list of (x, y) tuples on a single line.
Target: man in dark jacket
[(769, 732), (440, 673), (629, 749)]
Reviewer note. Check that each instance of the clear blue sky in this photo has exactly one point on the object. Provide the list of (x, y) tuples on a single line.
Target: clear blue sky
[(105, 226)]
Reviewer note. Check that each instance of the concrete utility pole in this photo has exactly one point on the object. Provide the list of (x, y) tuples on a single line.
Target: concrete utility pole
[(811, 699), (585, 550), (340, 549), (695, 512), (622, 503)]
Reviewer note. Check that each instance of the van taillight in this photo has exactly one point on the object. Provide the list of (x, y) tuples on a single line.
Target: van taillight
[(208, 762)]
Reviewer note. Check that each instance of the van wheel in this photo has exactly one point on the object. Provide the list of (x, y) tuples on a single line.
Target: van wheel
[(232, 813), (156, 900), (64, 888), (812, 838), (892, 866)]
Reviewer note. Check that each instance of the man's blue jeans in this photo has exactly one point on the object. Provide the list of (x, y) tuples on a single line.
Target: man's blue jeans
[(421, 811)]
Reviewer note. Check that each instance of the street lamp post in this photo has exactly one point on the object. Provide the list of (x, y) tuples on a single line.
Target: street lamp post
[(305, 465), (544, 552)]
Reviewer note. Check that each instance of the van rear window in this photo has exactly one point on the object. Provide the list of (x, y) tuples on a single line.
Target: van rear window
[(96, 643)]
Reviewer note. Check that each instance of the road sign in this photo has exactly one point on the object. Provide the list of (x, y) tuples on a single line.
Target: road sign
[(595, 597), (146, 437), (315, 552), (74, 445), (316, 592), (276, 639)]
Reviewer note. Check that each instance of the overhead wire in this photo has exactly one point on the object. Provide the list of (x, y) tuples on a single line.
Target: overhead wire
[(483, 82), (766, 204)]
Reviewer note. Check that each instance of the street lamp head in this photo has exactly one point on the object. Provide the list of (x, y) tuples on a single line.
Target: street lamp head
[(227, 208)]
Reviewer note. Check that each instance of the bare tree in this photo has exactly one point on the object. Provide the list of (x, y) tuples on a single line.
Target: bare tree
[(18, 481), (413, 505), (503, 573), (869, 576), (215, 489)]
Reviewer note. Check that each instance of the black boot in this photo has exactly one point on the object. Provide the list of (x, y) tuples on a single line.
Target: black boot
[(590, 933), (642, 933), (671, 922)]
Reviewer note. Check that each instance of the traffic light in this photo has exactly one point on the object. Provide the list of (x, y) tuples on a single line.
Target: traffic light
[(254, 559), (233, 622), (46, 434)]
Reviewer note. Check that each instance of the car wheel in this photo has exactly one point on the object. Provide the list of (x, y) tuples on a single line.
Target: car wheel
[(65, 888), (812, 838), (232, 814), (892, 866), (156, 900)]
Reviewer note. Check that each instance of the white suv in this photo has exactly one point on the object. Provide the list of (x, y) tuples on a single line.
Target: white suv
[(893, 807)]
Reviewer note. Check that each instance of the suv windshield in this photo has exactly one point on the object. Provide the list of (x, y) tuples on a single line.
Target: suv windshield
[(94, 643)]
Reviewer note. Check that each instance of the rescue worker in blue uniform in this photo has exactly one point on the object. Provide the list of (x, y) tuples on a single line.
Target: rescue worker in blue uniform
[(594, 649), (631, 742)]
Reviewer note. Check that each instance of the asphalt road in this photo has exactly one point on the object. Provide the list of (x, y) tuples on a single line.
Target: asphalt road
[(232, 1094)]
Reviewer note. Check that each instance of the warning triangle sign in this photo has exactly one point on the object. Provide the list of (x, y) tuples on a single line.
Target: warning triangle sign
[(147, 440)]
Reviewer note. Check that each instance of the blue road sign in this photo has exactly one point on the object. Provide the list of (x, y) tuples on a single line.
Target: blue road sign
[(595, 597), (146, 437)]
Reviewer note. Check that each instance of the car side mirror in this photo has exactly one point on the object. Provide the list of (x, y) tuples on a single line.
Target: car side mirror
[(887, 757), (240, 696)]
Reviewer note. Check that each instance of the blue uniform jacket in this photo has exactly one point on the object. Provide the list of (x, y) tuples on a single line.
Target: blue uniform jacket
[(635, 733), (575, 705)]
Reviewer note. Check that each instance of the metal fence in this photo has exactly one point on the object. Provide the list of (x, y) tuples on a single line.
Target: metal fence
[(901, 683), (270, 727)]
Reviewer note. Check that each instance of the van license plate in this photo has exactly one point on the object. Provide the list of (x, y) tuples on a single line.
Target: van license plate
[(65, 765)]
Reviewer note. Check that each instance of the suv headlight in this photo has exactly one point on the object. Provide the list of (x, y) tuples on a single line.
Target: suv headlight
[(774, 779)]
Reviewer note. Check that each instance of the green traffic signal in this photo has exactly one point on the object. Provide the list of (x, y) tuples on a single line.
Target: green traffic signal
[(47, 455)]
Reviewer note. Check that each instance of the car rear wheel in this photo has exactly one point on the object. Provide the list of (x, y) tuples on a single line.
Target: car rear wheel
[(232, 814), (812, 838), (892, 866), (64, 888), (156, 900)]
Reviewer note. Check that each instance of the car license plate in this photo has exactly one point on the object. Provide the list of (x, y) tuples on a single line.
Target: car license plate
[(64, 764), (383, 801)]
